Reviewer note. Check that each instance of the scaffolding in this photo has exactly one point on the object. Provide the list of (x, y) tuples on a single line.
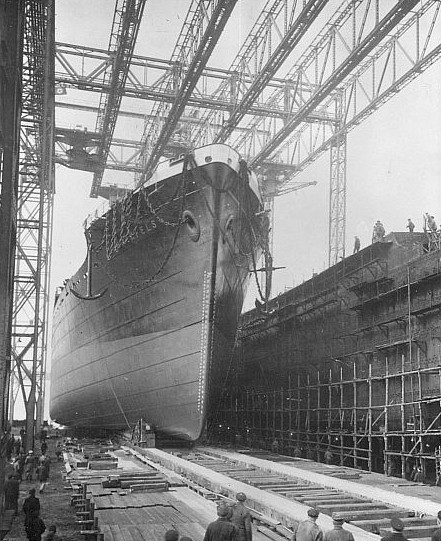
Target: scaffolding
[(348, 362)]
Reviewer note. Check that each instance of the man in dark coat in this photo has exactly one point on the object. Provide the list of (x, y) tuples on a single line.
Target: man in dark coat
[(397, 531), (241, 518), (31, 506), (12, 489), (338, 533), (34, 528), (308, 530), (221, 529)]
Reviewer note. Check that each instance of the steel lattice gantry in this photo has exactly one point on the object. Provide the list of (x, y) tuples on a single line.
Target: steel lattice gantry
[(34, 214), (11, 36), (365, 53), (125, 27)]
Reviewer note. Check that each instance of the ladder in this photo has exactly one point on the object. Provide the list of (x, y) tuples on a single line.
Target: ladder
[(438, 466)]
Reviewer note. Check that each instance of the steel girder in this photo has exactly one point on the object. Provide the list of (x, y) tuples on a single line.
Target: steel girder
[(82, 68), (34, 212), (294, 32), (355, 55), (125, 27), (198, 38), (407, 53)]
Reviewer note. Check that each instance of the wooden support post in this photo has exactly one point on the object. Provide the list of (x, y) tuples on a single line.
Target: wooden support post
[(308, 415), (282, 421), (386, 416), (298, 409), (329, 416), (318, 416), (403, 416), (342, 414), (370, 417), (354, 412)]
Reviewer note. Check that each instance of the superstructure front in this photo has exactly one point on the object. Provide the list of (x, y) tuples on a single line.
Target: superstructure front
[(146, 327)]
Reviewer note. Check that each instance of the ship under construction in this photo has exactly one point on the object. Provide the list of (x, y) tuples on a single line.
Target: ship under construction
[(347, 363)]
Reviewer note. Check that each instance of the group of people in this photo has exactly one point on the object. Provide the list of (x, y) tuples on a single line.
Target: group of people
[(26, 467), (309, 530), (33, 523), (233, 524), (29, 465), (379, 231)]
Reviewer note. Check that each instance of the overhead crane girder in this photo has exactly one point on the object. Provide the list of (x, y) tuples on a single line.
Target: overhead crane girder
[(157, 136), (125, 27), (402, 57), (393, 17)]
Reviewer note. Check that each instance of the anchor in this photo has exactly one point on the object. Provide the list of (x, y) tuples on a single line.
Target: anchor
[(89, 296), (268, 269)]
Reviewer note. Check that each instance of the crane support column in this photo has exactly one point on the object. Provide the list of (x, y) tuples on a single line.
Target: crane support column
[(337, 195), (11, 34)]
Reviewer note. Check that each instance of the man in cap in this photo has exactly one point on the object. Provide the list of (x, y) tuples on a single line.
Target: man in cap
[(397, 531), (241, 518), (29, 465), (437, 533), (308, 530), (221, 529), (338, 533), (171, 535)]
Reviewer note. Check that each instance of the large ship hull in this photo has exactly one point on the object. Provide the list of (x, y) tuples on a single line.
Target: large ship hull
[(146, 327)]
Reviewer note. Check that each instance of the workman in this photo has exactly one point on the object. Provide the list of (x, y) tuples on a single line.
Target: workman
[(221, 529), (43, 471), (357, 245), (171, 535), (410, 225), (437, 533), (419, 476), (31, 505), (308, 530), (329, 457), (34, 528), (29, 465), (52, 534), (397, 531), (338, 533), (12, 490), (241, 518)]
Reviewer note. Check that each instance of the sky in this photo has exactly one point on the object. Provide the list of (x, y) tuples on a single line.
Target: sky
[(393, 157)]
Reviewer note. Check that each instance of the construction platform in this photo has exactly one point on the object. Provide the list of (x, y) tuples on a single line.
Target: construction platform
[(347, 362)]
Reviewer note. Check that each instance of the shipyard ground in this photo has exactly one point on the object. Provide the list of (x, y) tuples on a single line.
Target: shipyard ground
[(280, 489)]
